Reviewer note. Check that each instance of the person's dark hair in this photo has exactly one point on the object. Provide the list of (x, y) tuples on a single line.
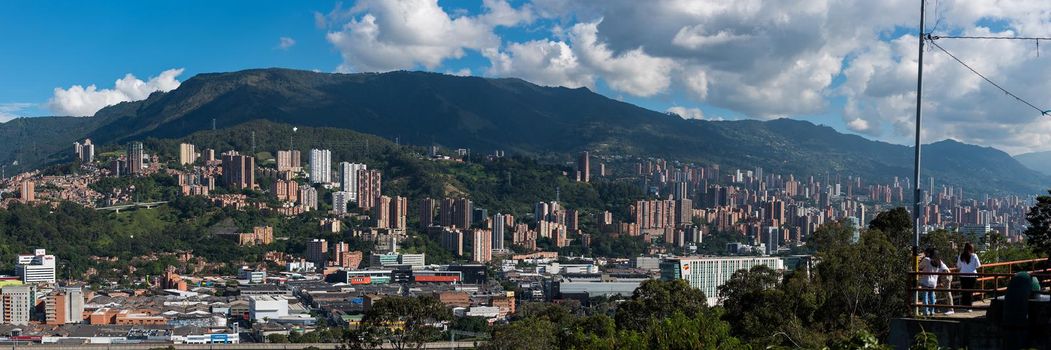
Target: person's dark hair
[(933, 255), (965, 254)]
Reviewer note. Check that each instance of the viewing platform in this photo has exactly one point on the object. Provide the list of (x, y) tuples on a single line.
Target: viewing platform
[(1011, 310)]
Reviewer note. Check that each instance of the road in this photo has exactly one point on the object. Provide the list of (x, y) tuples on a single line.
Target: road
[(147, 205)]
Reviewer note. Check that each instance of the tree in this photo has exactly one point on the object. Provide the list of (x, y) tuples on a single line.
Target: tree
[(401, 322), (277, 338), (759, 308), (657, 299), (897, 225), (948, 244), (703, 331), (994, 242), (1038, 234), (475, 324), (864, 284), (528, 334), (860, 340)]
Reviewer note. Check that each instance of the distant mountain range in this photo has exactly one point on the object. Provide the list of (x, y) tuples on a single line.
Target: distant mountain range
[(1039, 161), (511, 115)]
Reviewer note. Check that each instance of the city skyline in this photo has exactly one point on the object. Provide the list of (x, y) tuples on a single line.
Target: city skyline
[(525, 174)]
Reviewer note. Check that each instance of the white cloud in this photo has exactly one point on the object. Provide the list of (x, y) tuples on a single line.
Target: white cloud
[(859, 125), (757, 58), (500, 13), (634, 71), (789, 58), (9, 111), (81, 101), (544, 62), (578, 61), (386, 35), (687, 112), (284, 43), (464, 72), (695, 37)]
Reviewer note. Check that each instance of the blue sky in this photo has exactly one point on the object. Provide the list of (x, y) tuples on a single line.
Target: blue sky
[(844, 64), (59, 44)]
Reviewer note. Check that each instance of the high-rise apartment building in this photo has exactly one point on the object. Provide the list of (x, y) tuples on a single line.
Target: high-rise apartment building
[(308, 198), (481, 245), (499, 227), (463, 213), (343, 257), (238, 171), (285, 190), (85, 152), (584, 167), (683, 212), (136, 158), (369, 188), (27, 192), (289, 161), (38, 267), (656, 213), (64, 305), (399, 212), (320, 166), (381, 212), (348, 178), (774, 212), (572, 218), (427, 207), (339, 202), (317, 251), (390, 212), (208, 155), (445, 212), (458, 213), (187, 154), (17, 303), (453, 241)]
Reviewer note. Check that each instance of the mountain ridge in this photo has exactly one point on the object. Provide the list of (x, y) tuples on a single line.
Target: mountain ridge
[(1038, 161), (514, 115)]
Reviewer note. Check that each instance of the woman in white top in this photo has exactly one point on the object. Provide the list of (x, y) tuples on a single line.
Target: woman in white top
[(968, 263), (930, 263)]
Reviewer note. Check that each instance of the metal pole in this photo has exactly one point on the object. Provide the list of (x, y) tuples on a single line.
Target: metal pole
[(918, 205), (917, 210)]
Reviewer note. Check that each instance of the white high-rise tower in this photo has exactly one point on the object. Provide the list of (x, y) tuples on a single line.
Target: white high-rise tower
[(320, 166)]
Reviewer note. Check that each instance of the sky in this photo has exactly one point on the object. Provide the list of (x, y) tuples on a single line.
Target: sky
[(848, 64)]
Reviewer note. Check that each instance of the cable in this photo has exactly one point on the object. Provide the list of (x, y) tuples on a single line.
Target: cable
[(936, 37), (1042, 111)]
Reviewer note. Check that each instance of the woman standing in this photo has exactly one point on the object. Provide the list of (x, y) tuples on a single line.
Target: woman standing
[(930, 263), (968, 264)]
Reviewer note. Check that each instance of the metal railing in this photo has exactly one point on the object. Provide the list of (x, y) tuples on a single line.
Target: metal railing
[(991, 282)]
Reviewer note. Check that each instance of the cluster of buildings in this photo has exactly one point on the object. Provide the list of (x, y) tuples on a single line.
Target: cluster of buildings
[(34, 188), (329, 281), (774, 211), (540, 276), (190, 309)]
